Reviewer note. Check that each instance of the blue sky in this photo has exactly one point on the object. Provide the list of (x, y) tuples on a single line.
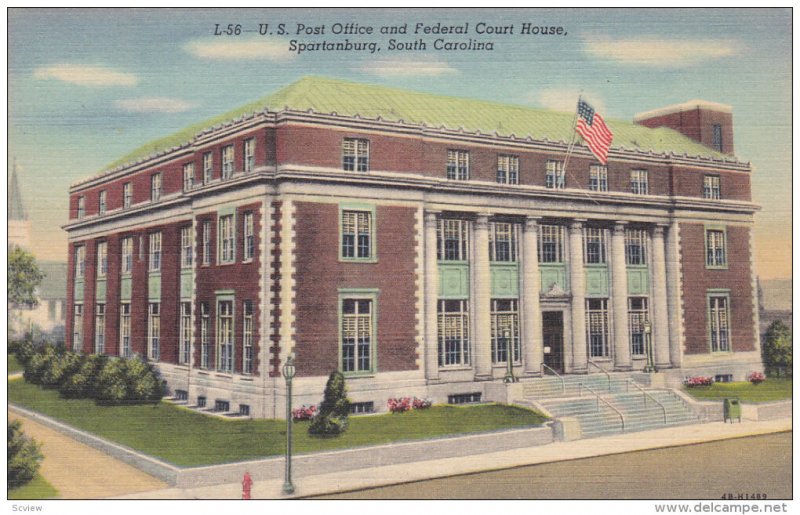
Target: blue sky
[(86, 86)]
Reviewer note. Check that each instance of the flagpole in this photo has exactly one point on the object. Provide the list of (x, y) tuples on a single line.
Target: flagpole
[(571, 146)]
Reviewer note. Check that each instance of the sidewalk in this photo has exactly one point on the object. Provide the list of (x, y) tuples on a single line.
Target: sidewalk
[(559, 451)]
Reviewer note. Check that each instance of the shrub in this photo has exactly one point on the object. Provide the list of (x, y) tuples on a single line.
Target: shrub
[(331, 420), (23, 350), (61, 368), (691, 382), (83, 383), (40, 364), (112, 384), (143, 381), (422, 403), (777, 349), (756, 377), (304, 413), (23, 456), (399, 405)]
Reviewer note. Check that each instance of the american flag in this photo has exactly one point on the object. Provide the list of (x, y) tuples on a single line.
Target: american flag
[(594, 131)]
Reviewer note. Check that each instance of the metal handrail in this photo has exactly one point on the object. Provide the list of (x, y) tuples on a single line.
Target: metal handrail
[(563, 383), (621, 416), (603, 371), (646, 394)]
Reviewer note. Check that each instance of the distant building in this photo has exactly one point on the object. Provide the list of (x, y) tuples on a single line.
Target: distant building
[(774, 302), (19, 227)]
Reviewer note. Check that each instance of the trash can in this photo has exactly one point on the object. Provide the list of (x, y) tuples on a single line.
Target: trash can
[(732, 409)]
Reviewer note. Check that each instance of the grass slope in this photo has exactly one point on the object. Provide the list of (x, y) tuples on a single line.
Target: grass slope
[(37, 488), (770, 390)]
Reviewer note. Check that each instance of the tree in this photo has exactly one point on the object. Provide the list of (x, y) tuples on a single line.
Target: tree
[(331, 420), (24, 277), (777, 349), (23, 456)]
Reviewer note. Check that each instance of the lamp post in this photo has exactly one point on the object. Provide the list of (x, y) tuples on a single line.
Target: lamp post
[(648, 341), (288, 374), (509, 378)]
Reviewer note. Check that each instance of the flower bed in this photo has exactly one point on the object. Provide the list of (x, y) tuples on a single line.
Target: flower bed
[(692, 382), (402, 404), (756, 377), (304, 413)]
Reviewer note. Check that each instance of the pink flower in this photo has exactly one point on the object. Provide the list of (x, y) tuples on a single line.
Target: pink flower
[(756, 377)]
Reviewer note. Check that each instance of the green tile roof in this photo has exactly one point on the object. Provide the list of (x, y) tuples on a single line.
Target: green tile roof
[(325, 95)]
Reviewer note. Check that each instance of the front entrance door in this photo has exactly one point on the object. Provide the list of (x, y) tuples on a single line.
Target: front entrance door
[(553, 339)]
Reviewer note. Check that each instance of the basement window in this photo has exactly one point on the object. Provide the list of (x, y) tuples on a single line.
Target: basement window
[(201, 401), (222, 405), (244, 410), (181, 395), (357, 408), (464, 398), (723, 378)]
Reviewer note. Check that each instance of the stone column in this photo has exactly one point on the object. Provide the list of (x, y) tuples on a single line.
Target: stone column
[(531, 314), (674, 296), (482, 296), (659, 313), (431, 297), (577, 284), (619, 299)]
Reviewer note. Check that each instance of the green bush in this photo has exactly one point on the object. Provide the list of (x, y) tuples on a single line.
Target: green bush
[(40, 364), (143, 381), (84, 382), (777, 350), (331, 420), (61, 368), (112, 382), (23, 350), (23, 456)]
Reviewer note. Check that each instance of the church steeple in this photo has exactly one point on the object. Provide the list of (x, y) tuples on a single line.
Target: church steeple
[(19, 227)]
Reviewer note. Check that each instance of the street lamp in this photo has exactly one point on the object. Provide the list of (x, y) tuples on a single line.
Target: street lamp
[(509, 378), (648, 341), (288, 374)]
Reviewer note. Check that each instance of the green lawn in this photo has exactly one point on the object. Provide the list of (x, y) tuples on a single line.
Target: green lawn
[(13, 364), (38, 488), (186, 438), (770, 390)]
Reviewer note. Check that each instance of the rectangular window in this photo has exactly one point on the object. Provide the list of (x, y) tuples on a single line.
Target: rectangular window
[(637, 316), (127, 255), (356, 234), (127, 195), (227, 161), (598, 178), (597, 327), (77, 328), (505, 330), (155, 187), (208, 167), (154, 331), (554, 175), (508, 169), (102, 202), (249, 155), (187, 247), (716, 252), (81, 207), (125, 330), (453, 332), (503, 238), (185, 332), (100, 329), (355, 155), (247, 338), (594, 245), (453, 240), (206, 243), (718, 316), (205, 336), (639, 184), (155, 252), (551, 244), (357, 331), (711, 187), (102, 259), (225, 336), (226, 234), (188, 176), (249, 237), (716, 137), (80, 261), (458, 165), (635, 247)]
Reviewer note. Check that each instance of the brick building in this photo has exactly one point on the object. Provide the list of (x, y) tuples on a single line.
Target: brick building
[(415, 242)]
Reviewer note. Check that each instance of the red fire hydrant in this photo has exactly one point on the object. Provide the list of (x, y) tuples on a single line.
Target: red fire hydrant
[(247, 484)]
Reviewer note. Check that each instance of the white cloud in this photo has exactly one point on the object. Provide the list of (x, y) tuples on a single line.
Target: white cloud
[(86, 75), (153, 105), (661, 53), (566, 99), (408, 67), (245, 48)]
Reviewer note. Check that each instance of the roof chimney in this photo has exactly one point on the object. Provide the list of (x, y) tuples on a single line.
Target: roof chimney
[(708, 123)]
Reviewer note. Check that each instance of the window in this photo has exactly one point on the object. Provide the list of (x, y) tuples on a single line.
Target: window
[(188, 176), (716, 255), (155, 187), (208, 167), (81, 207), (127, 195), (223, 406), (206, 243), (185, 332), (249, 237), (155, 252), (247, 338), (102, 259), (154, 331), (227, 162), (226, 239), (503, 239), (201, 401), (505, 330), (356, 234), (453, 240), (453, 332), (225, 335), (551, 244), (458, 165), (637, 316), (598, 178), (357, 408), (127, 255), (125, 330), (357, 331), (597, 327), (635, 247), (100, 329), (594, 245), (508, 169), (244, 410), (101, 202), (80, 261), (639, 182), (718, 317), (249, 155), (77, 328), (205, 336), (711, 187), (554, 175), (187, 247), (355, 155), (716, 137)]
